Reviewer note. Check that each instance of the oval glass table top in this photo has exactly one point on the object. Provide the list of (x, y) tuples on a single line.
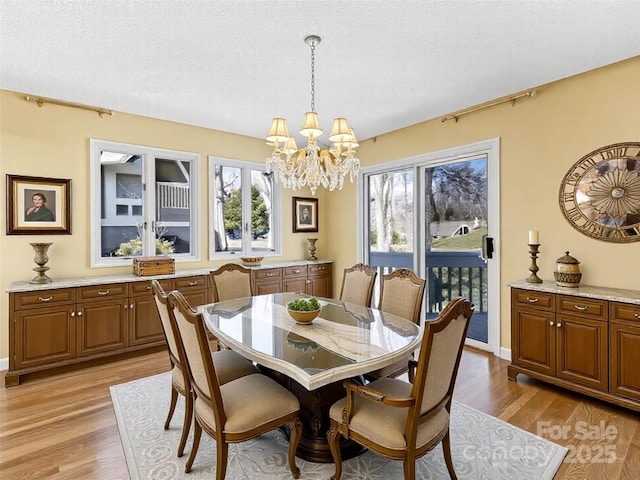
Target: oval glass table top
[(346, 340)]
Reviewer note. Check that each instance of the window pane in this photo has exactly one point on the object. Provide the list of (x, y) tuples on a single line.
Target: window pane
[(121, 204), (228, 204), (173, 206), (261, 211)]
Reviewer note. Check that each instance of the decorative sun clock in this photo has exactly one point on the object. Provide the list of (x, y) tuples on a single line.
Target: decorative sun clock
[(600, 194)]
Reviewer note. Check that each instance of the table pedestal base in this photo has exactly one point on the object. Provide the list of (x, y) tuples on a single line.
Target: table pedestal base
[(314, 414)]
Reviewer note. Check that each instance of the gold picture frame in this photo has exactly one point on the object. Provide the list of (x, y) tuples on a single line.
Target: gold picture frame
[(305, 214), (38, 205)]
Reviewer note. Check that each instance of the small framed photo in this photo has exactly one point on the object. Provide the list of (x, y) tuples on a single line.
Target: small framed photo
[(38, 205), (305, 214)]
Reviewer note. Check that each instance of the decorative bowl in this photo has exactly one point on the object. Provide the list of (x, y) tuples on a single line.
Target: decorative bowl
[(251, 261), (304, 316)]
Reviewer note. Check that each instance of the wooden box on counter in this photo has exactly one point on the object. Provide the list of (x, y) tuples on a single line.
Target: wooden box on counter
[(147, 266)]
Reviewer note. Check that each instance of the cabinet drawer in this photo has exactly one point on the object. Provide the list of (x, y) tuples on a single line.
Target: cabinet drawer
[(268, 273), (112, 290), (585, 307), (529, 298), (299, 271), (144, 288), (626, 312), (322, 268), (185, 283), (43, 298)]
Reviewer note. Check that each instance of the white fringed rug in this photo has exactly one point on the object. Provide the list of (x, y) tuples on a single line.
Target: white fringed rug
[(483, 447)]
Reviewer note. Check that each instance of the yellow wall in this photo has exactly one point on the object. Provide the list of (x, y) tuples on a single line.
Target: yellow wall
[(541, 138), (53, 141)]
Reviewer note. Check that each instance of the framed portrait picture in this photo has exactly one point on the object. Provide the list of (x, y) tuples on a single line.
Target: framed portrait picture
[(38, 205), (305, 214)]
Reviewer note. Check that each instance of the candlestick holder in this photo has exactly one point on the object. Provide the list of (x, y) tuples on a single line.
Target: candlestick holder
[(533, 268)]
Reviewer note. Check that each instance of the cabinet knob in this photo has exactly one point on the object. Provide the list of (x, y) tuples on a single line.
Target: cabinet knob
[(637, 315), (296, 271), (131, 306), (533, 300), (73, 314), (269, 274), (551, 323), (45, 299), (80, 313), (193, 284), (559, 324)]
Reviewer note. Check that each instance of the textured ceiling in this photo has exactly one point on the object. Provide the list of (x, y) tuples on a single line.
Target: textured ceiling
[(233, 65)]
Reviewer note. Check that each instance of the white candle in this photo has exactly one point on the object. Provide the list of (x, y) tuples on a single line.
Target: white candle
[(534, 237)]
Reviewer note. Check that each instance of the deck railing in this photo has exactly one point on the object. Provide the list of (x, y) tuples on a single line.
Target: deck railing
[(450, 274)]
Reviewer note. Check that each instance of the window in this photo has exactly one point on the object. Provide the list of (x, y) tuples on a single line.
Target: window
[(245, 213), (143, 203)]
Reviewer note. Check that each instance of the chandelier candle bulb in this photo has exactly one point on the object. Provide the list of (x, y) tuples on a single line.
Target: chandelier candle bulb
[(534, 237)]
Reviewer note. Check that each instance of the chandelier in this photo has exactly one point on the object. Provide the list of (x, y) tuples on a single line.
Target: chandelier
[(297, 168)]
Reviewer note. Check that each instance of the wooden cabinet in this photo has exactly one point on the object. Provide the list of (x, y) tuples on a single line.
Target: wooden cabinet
[(312, 279), (59, 326), (43, 327), (624, 349), (319, 282), (586, 344)]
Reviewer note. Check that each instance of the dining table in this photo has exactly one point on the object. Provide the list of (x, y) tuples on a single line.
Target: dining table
[(311, 360)]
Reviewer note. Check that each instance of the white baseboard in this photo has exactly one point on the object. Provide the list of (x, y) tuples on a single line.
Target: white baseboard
[(505, 353), (4, 364)]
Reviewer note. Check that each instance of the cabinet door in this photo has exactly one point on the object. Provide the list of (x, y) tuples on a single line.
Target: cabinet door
[(102, 326), (319, 282), (144, 324), (533, 340), (582, 347), (624, 342), (265, 287), (298, 284), (45, 336), (196, 297)]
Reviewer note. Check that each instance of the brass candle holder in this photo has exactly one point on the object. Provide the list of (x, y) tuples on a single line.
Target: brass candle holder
[(533, 268)]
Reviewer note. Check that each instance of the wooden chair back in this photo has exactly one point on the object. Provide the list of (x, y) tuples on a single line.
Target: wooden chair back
[(231, 281), (401, 293), (357, 284), (162, 303)]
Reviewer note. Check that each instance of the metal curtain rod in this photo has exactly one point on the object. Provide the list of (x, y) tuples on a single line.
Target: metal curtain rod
[(41, 101), (512, 99)]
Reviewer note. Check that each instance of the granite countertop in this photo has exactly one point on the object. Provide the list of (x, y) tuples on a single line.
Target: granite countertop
[(25, 286), (589, 291)]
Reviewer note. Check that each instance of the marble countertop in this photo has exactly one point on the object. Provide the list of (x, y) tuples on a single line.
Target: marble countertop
[(25, 286), (589, 291)]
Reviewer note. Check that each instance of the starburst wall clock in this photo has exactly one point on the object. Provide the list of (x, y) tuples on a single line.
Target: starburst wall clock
[(600, 194)]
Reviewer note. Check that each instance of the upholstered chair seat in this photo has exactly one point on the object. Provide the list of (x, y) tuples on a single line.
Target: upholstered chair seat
[(243, 415)]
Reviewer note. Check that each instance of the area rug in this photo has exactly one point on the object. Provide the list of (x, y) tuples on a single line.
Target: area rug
[(483, 447)]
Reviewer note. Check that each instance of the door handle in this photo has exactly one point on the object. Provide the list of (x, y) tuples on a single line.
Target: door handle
[(487, 248)]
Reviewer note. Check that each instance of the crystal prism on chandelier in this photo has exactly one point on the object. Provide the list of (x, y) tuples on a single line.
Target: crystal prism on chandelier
[(311, 166)]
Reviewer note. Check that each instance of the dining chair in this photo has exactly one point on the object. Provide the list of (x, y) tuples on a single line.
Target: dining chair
[(231, 281), (230, 365), (401, 293), (357, 284), (400, 420), (237, 411)]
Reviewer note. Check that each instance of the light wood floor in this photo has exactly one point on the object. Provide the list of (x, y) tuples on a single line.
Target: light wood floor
[(63, 427)]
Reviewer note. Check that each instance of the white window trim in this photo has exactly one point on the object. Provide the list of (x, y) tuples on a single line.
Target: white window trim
[(96, 145), (276, 201)]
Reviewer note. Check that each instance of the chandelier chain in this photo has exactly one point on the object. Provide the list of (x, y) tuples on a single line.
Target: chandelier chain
[(313, 76)]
